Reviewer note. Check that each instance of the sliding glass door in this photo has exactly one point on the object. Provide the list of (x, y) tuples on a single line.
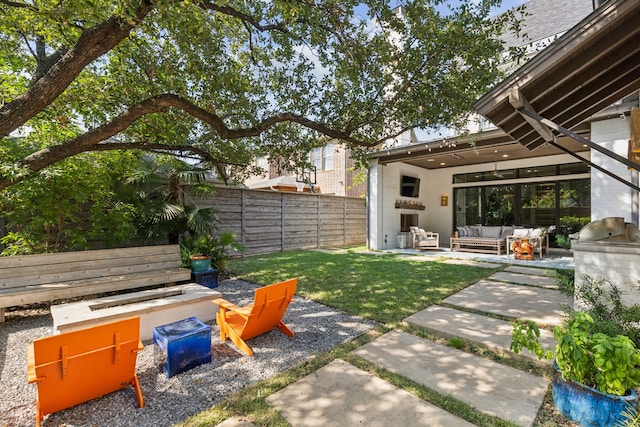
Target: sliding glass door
[(550, 204)]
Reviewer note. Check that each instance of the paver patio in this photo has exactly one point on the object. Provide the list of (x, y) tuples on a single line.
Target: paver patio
[(490, 387), (511, 300), (525, 279), (488, 332), (340, 394)]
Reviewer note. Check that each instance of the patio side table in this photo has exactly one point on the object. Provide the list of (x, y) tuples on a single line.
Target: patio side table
[(184, 345)]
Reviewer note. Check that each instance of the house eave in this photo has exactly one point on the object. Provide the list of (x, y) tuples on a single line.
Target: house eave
[(589, 68)]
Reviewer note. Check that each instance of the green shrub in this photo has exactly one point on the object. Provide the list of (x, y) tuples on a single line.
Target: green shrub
[(563, 242), (597, 347), (610, 364), (565, 280), (574, 223)]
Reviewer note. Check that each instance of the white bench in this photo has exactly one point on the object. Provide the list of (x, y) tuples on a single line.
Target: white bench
[(28, 279), (155, 307)]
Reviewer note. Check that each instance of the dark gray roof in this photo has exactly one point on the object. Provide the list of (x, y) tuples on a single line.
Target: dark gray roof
[(593, 65), (547, 18)]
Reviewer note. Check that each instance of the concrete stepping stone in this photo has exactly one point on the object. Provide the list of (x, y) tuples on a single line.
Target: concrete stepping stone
[(340, 394), (488, 386), (235, 422), (541, 305), (488, 332), (525, 279), (529, 270), (471, 263)]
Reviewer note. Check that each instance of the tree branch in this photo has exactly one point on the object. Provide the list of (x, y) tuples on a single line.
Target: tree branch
[(93, 43), (146, 146), (227, 10), (17, 4), (91, 139)]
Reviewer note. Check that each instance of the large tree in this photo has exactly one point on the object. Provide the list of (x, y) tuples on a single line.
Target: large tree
[(228, 80)]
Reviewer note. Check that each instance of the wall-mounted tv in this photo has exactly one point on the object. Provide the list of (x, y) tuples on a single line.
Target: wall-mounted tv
[(409, 186)]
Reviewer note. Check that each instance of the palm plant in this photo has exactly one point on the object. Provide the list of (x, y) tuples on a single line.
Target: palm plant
[(166, 210)]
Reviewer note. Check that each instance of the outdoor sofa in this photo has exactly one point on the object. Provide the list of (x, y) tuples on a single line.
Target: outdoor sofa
[(493, 238)]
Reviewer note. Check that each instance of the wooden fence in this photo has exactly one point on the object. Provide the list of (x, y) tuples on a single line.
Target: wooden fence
[(269, 221)]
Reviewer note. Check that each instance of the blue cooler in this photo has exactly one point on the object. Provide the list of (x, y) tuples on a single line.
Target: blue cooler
[(184, 344), (208, 278)]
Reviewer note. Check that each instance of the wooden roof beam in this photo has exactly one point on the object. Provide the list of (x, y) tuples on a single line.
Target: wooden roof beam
[(519, 102)]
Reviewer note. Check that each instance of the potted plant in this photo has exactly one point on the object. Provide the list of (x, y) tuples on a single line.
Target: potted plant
[(222, 246), (207, 252), (196, 253), (596, 373)]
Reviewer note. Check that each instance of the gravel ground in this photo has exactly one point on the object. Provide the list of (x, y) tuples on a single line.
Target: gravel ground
[(172, 400)]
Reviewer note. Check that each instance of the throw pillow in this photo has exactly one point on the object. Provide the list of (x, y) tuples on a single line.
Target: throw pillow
[(474, 231), (521, 232), (506, 231)]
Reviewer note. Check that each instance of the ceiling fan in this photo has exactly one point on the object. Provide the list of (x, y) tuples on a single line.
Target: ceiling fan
[(495, 168)]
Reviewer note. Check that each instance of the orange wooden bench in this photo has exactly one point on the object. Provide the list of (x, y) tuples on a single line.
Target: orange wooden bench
[(78, 366), (243, 323)]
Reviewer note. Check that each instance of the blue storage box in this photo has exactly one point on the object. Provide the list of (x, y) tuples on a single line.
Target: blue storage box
[(184, 344), (207, 278)]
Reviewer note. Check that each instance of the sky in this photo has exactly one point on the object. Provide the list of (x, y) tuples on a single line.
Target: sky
[(508, 4)]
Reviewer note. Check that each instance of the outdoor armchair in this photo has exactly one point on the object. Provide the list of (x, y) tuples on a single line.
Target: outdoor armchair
[(243, 323), (424, 239)]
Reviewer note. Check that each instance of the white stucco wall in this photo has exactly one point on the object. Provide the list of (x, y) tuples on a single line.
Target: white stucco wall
[(384, 191), (610, 198)]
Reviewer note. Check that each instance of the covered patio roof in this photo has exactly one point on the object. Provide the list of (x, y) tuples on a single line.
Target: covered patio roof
[(589, 68)]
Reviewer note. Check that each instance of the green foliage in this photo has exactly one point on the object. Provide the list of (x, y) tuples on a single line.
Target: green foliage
[(457, 342), (527, 335), (603, 301), (219, 248), (70, 205), (565, 280), (282, 76), (630, 417), (574, 223), (165, 207), (591, 346), (563, 242), (609, 363)]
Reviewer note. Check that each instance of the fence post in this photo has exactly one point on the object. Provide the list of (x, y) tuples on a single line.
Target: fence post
[(243, 208), (282, 220), (344, 222), (317, 221)]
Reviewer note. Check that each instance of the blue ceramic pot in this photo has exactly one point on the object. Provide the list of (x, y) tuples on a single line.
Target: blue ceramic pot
[(588, 406), (200, 263)]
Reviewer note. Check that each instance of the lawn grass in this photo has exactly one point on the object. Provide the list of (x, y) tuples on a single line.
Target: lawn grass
[(385, 288)]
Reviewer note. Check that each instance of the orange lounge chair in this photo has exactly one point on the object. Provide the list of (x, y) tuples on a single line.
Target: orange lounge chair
[(243, 323), (74, 367)]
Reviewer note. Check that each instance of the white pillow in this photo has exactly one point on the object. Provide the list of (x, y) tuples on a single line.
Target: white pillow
[(535, 233), (521, 232)]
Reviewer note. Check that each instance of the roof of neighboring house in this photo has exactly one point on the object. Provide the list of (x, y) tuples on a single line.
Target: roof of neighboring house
[(593, 65), (280, 181), (548, 18)]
